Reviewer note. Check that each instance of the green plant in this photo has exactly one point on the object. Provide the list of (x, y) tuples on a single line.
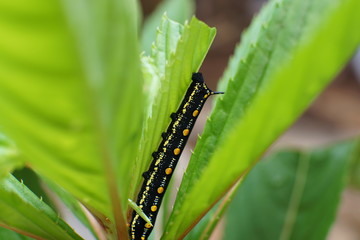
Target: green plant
[(71, 99)]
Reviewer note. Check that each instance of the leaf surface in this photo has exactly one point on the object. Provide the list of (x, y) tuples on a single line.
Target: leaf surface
[(288, 55), (11, 235), (299, 191), (71, 96), (178, 10), (24, 212), (9, 156)]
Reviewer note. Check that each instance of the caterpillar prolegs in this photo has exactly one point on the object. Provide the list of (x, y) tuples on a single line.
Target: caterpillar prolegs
[(158, 176)]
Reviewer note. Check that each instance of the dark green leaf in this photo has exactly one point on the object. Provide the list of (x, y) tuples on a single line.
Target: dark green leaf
[(290, 195), (24, 212), (33, 182)]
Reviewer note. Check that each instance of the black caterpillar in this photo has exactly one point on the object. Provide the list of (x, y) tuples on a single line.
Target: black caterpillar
[(157, 178)]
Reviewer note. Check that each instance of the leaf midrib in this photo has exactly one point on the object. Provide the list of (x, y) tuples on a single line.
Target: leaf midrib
[(296, 196), (90, 84)]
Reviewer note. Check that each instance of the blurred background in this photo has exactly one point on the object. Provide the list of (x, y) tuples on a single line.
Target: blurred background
[(333, 116)]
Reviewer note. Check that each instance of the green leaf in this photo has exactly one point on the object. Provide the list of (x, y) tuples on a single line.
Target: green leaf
[(9, 156), (296, 190), (11, 235), (24, 212), (72, 204), (177, 10), (291, 51), (154, 66), (71, 95), (208, 223), (183, 50), (354, 172), (139, 211), (31, 180), (34, 183)]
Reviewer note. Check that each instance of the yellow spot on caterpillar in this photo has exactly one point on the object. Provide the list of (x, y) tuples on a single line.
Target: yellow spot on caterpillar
[(168, 171), (195, 113), (186, 132), (177, 151), (153, 208), (148, 225), (160, 190), (142, 238), (206, 95)]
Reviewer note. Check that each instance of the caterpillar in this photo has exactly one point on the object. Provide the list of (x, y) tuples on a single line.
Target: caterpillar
[(158, 176)]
